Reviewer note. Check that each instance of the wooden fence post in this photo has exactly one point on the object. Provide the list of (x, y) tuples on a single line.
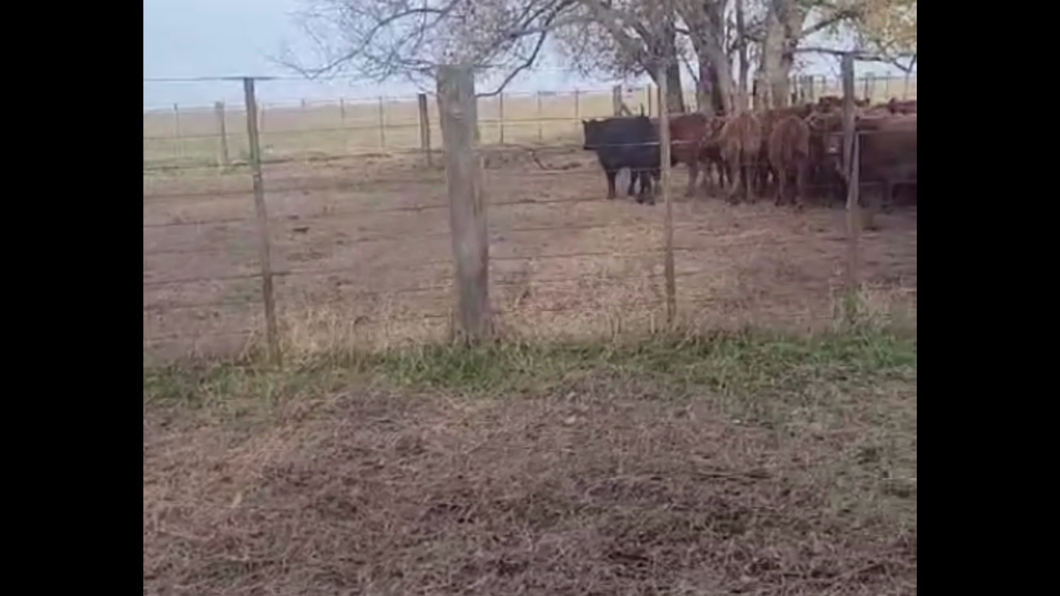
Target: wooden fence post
[(382, 124), (272, 335), (222, 147), (500, 107), (467, 208), (342, 110), (664, 183), (870, 86), (850, 167), (425, 127), (577, 110), (616, 100), (540, 115), (178, 147)]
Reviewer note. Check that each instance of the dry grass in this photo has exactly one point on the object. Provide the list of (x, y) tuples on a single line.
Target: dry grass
[(564, 261), (726, 464), (587, 452)]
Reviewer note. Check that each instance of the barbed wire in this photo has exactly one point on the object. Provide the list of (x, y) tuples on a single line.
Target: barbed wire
[(591, 88)]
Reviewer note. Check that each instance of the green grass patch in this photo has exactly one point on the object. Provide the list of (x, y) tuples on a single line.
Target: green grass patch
[(727, 364)]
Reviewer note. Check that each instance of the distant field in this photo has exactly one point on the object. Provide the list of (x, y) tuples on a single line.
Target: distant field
[(191, 135)]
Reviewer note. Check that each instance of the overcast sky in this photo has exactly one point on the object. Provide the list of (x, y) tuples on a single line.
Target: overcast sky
[(193, 38)]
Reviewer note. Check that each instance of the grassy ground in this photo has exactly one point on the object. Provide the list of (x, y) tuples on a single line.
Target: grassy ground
[(740, 463)]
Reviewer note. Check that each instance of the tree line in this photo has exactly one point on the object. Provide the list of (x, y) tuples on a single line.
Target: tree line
[(729, 47)]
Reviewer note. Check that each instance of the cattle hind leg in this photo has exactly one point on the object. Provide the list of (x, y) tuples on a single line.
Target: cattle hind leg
[(611, 175), (782, 179), (646, 194), (693, 175)]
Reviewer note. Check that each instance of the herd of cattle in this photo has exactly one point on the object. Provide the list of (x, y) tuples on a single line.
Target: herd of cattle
[(785, 149)]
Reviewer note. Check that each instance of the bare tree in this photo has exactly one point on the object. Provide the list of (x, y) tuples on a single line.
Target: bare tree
[(383, 39), (624, 38)]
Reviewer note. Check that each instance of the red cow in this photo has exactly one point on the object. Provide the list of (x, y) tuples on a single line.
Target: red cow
[(710, 153), (741, 143), (688, 134), (887, 148), (901, 107), (768, 118), (789, 155)]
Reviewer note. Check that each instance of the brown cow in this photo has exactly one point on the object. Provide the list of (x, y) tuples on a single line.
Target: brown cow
[(789, 155), (741, 142), (895, 106), (710, 153), (887, 151), (825, 148), (832, 103), (688, 134), (767, 119)]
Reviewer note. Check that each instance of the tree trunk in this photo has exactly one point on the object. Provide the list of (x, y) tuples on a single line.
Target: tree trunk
[(705, 89), (675, 96), (745, 65), (708, 40), (784, 23), (775, 68)]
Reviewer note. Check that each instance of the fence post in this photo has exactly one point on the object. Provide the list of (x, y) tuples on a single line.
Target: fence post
[(500, 107), (342, 110), (382, 124), (664, 184), (268, 297), (577, 109), (616, 100), (425, 127), (650, 101), (222, 147), (540, 134), (870, 86), (850, 167), (811, 95), (467, 208), (179, 145)]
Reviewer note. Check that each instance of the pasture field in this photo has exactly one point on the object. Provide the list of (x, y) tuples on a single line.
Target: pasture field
[(362, 254), (757, 447), (191, 135)]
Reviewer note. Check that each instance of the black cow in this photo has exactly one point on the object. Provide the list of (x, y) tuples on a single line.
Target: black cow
[(625, 143)]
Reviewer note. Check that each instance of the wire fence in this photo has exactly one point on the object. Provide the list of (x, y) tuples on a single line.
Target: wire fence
[(216, 135), (349, 240)]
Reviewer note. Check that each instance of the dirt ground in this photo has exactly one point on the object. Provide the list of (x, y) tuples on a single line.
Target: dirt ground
[(362, 252)]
